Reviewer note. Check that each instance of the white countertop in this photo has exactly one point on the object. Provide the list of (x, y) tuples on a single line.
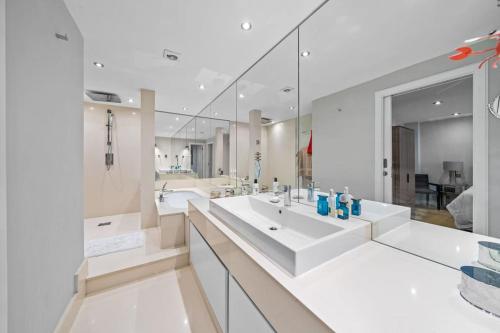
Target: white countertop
[(449, 246), (375, 288)]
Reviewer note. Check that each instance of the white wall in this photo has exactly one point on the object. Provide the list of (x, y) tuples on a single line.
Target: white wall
[(114, 191), (3, 179), (344, 148), (444, 140), (280, 155), (44, 162)]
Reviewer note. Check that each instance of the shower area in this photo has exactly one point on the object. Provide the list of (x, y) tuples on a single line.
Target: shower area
[(112, 227)]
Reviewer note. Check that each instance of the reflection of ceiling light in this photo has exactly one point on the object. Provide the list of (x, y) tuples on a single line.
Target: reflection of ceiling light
[(170, 127), (216, 114), (203, 121), (438, 102), (131, 100), (202, 87), (133, 113), (177, 118), (292, 107), (192, 129), (305, 53), (98, 64), (91, 108), (242, 96), (246, 26), (471, 40), (456, 114), (184, 108)]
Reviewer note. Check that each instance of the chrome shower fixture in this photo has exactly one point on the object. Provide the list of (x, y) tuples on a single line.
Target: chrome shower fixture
[(108, 157)]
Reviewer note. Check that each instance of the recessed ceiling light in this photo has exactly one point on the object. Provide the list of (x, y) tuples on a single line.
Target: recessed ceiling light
[(292, 107), (202, 87), (305, 53), (184, 108), (91, 108), (98, 64), (456, 114), (438, 102), (215, 114), (133, 113), (177, 118), (131, 100), (246, 26), (242, 96)]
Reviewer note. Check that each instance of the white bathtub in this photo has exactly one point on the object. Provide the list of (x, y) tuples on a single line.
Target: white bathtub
[(179, 199)]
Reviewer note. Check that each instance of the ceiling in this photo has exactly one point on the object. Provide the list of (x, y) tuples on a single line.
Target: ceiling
[(129, 37), (350, 42), (417, 106), (183, 126)]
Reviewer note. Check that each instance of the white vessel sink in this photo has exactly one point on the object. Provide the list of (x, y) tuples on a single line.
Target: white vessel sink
[(297, 241), (384, 217)]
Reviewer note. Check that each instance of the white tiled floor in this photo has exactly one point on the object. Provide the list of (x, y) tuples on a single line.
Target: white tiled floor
[(169, 302)]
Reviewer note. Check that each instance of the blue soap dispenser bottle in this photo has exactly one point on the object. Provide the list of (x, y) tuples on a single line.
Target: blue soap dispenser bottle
[(322, 205)]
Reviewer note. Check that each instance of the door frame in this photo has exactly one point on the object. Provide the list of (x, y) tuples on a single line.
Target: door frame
[(383, 146)]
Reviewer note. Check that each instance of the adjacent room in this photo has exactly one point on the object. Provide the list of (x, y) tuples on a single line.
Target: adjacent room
[(432, 159)]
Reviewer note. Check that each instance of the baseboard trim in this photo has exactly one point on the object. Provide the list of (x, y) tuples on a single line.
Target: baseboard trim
[(69, 315)]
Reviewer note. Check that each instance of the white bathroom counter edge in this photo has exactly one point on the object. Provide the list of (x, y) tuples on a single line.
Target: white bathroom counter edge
[(374, 288)]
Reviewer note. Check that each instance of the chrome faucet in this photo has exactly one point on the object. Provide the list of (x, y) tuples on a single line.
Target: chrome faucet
[(161, 198), (287, 195), (310, 191)]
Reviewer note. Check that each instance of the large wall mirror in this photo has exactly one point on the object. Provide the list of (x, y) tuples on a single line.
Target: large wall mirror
[(267, 108), (328, 108), (408, 132)]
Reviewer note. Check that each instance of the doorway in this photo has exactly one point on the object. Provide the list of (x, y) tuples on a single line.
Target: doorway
[(197, 159), (431, 163), (386, 176)]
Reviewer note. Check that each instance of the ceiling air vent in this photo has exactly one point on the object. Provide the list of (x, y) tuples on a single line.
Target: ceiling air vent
[(265, 121), (286, 90), (102, 96)]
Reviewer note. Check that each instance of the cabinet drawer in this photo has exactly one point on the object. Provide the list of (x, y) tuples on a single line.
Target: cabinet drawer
[(243, 315), (212, 274)]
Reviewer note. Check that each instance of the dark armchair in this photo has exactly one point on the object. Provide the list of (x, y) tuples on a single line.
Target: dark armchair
[(422, 186)]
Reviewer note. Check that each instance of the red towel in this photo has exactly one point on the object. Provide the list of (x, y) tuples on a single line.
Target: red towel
[(310, 146)]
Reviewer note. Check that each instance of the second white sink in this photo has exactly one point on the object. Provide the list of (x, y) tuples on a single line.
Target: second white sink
[(292, 237)]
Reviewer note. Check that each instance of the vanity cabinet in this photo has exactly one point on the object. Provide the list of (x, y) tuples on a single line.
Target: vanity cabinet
[(234, 310), (244, 317), (212, 275)]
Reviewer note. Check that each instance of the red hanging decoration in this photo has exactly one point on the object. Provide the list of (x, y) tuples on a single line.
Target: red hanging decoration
[(468, 49), (310, 146)]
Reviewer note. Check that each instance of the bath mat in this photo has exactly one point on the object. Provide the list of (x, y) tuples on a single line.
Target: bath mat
[(102, 246)]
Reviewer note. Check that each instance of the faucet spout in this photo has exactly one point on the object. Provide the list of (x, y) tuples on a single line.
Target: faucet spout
[(287, 195)]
